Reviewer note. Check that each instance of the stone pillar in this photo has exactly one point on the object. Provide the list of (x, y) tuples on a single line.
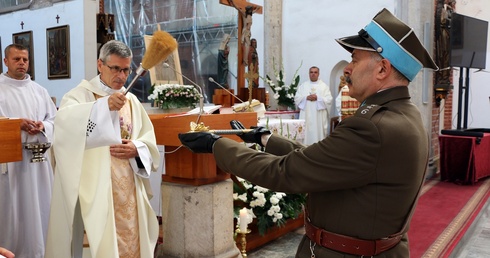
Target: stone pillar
[(197, 221), (272, 40)]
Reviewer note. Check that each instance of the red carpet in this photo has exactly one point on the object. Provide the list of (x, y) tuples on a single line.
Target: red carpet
[(443, 214)]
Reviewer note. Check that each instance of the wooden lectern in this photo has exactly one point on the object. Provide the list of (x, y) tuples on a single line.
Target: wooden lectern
[(183, 166), (257, 93), (223, 98), (10, 142)]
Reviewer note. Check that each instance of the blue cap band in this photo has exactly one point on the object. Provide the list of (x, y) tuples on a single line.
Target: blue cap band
[(401, 59)]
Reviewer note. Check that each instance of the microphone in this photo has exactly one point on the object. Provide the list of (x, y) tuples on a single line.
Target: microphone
[(201, 96), (221, 86)]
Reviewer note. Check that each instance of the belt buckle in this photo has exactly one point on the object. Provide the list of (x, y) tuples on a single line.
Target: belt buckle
[(318, 236)]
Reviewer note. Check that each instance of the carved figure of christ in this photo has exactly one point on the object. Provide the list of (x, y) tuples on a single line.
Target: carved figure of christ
[(245, 10)]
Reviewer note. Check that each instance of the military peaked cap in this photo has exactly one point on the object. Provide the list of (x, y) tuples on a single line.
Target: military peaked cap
[(393, 40)]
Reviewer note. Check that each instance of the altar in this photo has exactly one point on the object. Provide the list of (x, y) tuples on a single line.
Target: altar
[(293, 129), (289, 114)]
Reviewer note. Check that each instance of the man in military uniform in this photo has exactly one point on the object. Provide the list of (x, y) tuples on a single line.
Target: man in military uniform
[(362, 180)]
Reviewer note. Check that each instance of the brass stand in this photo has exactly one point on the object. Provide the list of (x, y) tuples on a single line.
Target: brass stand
[(243, 241)]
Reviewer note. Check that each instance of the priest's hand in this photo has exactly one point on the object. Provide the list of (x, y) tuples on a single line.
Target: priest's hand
[(254, 136), (116, 101), (312, 97), (201, 142), (126, 150)]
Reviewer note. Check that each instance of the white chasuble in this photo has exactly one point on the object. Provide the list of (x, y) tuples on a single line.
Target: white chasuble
[(85, 175)]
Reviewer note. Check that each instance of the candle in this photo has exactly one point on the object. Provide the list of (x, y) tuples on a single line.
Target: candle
[(243, 220)]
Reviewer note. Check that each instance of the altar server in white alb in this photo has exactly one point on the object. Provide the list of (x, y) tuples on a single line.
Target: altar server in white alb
[(313, 99), (25, 187), (105, 151)]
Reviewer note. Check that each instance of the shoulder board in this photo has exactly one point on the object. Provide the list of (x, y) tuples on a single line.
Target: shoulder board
[(368, 111)]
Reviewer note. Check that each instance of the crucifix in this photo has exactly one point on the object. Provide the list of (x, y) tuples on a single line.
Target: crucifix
[(245, 10)]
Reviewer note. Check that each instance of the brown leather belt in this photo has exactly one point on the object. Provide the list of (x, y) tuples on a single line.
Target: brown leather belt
[(348, 244)]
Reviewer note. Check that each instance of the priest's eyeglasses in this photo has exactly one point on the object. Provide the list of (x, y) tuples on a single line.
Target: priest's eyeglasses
[(117, 69)]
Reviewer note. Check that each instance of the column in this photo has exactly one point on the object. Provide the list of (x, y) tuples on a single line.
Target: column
[(272, 39)]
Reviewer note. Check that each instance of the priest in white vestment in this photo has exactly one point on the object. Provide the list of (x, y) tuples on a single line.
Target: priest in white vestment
[(105, 150), (25, 187), (313, 99)]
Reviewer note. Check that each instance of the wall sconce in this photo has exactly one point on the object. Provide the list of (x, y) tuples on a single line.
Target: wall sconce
[(441, 91)]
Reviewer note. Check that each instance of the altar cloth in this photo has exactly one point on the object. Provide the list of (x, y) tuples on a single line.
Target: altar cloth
[(293, 129)]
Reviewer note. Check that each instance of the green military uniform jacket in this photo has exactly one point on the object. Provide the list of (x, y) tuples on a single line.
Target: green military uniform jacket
[(361, 181)]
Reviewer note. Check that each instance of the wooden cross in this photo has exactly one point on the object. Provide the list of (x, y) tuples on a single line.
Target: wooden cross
[(241, 6), (22, 24), (57, 19), (250, 76)]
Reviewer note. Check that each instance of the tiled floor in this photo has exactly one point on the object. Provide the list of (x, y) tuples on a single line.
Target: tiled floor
[(475, 243)]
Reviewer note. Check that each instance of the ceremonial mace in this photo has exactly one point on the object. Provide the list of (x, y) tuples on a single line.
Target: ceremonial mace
[(195, 128), (161, 46)]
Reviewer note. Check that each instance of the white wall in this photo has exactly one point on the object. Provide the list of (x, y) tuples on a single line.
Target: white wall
[(479, 93), (71, 13), (310, 30)]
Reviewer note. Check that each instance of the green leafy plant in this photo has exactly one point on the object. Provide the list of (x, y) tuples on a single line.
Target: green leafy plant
[(168, 96)]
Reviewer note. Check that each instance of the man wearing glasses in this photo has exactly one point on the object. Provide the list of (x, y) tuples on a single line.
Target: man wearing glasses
[(105, 150)]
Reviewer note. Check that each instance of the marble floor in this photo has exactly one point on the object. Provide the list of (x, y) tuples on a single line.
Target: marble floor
[(476, 241), (474, 244)]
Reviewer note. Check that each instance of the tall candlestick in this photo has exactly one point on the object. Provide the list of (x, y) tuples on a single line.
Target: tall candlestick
[(243, 220)]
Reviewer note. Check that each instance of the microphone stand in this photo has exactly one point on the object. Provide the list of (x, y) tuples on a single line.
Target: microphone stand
[(201, 96)]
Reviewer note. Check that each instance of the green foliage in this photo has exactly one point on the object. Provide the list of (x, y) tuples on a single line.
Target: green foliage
[(283, 93)]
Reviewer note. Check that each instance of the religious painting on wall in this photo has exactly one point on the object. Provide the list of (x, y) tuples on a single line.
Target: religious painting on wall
[(163, 74), (58, 49), (1, 58), (25, 39)]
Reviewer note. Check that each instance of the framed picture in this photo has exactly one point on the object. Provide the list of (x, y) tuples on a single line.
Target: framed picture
[(25, 39), (58, 49), (159, 74)]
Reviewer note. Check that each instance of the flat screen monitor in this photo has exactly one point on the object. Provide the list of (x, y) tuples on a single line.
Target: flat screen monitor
[(468, 37)]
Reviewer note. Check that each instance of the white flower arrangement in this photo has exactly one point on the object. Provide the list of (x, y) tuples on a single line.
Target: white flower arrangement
[(283, 93), (174, 96), (267, 207)]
